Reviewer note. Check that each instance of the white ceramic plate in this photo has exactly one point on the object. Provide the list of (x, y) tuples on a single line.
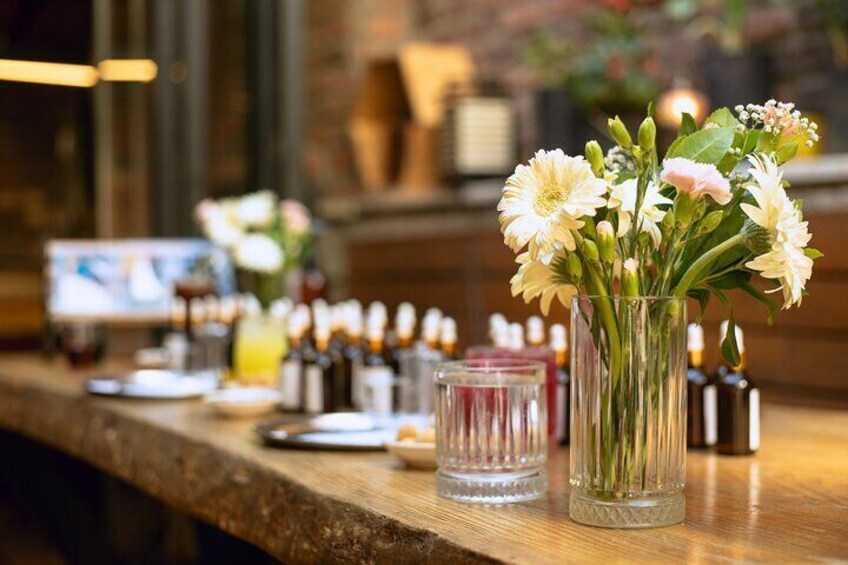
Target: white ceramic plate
[(154, 384), (243, 402), (415, 454)]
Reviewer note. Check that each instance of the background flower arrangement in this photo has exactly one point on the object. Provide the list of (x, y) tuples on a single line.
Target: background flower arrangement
[(265, 236)]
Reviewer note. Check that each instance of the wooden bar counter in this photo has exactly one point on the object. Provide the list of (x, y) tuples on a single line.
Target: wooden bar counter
[(788, 503)]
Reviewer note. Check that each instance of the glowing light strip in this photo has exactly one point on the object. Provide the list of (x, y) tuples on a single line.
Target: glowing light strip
[(84, 76), (48, 73), (127, 70)]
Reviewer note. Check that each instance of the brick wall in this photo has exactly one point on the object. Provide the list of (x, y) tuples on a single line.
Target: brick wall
[(342, 36)]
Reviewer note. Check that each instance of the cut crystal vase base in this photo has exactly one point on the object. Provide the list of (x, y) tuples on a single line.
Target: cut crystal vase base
[(493, 488), (652, 512)]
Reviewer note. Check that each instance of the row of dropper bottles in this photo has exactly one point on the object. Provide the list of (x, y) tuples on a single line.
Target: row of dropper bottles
[(344, 357), (723, 408)]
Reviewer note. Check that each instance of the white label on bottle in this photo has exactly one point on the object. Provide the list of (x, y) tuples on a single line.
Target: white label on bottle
[(357, 384), (379, 385), (560, 411), (290, 384), (710, 415), (313, 399), (754, 424)]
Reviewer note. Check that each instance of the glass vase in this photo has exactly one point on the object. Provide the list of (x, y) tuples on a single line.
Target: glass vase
[(628, 411)]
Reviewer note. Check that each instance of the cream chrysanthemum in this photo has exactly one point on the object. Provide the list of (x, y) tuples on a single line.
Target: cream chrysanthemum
[(536, 279), (622, 198), (545, 200), (786, 261)]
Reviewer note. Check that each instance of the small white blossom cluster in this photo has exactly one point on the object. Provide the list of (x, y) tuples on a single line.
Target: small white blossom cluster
[(619, 161), (779, 118), (256, 228)]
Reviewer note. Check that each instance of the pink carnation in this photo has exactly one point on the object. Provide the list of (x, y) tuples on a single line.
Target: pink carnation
[(295, 215), (696, 179), (205, 209)]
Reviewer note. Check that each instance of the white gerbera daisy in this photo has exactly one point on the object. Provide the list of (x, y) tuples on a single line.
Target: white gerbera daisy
[(256, 210), (623, 199), (258, 252), (537, 279), (786, 261), (220, 228), (545, 199)]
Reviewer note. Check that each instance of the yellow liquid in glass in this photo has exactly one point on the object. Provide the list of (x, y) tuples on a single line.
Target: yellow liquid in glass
[(260, 346)]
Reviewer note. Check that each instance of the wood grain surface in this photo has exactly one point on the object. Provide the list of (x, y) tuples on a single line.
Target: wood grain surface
[(789, 503)]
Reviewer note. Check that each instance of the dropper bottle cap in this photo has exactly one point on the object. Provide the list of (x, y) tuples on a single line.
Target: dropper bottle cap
[(535, 330), (516, 336), (500, 339), (447, 330), (695, 337), (430, 330), (559, 337)]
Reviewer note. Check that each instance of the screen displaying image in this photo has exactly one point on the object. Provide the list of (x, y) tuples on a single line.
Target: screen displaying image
[(129, 279)]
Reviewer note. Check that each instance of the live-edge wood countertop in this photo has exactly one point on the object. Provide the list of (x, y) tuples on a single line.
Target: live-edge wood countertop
[(789, 503)]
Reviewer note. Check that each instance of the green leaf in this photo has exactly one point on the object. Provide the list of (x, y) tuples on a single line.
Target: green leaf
[(703, 146), (722, 118), (813, 253), (752, 136), (702, 295), (674, 145), (687, 124), (734, 279), (729, 347)]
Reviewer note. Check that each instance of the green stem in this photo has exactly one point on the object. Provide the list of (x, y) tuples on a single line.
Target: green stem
[(609, 321), (704, 261)]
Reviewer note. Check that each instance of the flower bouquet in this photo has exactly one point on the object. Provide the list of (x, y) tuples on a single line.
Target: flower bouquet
[(265, 237), (624, 239)]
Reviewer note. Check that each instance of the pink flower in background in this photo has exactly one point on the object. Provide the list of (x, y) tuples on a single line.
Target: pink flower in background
[(295, 215), (696, 179), (205, 209)]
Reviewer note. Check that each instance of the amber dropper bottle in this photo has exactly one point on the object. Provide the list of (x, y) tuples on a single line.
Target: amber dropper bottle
[(702, 411), (738, 405)]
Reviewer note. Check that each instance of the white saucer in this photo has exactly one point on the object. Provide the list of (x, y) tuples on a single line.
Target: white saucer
[(243, 402), (415, 454), (154, 384)]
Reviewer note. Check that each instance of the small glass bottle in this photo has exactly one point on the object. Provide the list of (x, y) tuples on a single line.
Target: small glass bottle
[(352, 355), (562, 417), (404, 330), (291, 369), (702, 413), (319, 375), (377, 375), (738, 406)]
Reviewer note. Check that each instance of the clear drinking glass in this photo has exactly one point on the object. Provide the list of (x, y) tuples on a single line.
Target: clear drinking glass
[(628, 411), (491, 430)]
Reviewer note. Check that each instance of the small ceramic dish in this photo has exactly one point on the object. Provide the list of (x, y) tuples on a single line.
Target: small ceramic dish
[(243, 402), (417, 455)]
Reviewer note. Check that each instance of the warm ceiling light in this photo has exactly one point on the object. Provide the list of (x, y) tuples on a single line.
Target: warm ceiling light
[(48, 73), (127, 70), (672, 104)]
